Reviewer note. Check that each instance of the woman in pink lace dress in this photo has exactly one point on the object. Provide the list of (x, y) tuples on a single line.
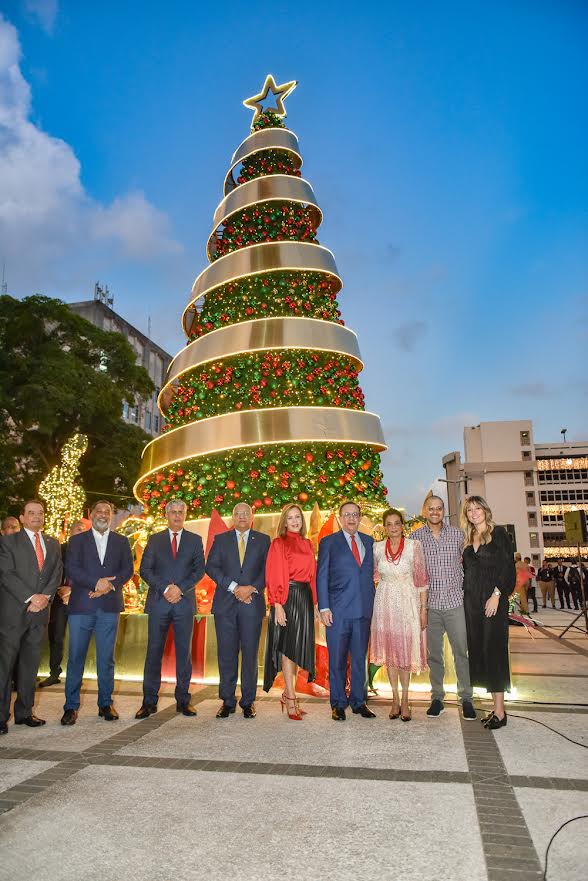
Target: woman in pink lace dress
[(400, 610)]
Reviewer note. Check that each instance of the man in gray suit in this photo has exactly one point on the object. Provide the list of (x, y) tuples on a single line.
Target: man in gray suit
[(30, 573)]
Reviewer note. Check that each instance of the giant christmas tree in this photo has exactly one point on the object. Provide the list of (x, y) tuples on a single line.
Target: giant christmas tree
[(263, 404)]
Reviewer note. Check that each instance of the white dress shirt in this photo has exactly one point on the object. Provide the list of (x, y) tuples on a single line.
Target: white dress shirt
[(245, 535), (178, 536), (101, 539), (31, 535)]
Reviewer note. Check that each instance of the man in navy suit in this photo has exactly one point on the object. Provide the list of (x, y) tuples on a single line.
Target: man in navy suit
[(172, 565), (345, 589), (99, 562), (236, 563)]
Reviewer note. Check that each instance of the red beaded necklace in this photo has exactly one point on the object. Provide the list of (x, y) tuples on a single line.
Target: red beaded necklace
[(394, 556)]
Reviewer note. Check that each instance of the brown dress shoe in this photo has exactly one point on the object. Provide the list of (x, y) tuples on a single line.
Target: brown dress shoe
[(69, 717), (186, 709), (145, 711), (32, 721), (108, 713)]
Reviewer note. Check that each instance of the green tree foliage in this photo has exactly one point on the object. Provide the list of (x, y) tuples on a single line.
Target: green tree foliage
[(59, 374)]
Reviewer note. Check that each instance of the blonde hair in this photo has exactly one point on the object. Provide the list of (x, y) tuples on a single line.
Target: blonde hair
[(469, 528), (283, 526)]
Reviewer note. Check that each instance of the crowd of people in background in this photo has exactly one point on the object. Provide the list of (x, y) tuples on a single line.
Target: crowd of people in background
[(392, 601)]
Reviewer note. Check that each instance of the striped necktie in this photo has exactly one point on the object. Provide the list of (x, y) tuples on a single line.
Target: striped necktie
[(241, 548)]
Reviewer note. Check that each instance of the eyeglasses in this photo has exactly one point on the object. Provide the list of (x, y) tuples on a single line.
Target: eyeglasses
[(351, 516)]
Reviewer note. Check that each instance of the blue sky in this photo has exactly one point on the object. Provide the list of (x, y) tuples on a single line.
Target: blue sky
[(446, 144)]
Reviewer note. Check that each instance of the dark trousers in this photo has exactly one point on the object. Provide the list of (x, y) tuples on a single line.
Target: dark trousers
[(532, 596), (238, 631), (348, 637), (20, 639), (180, 616), (104, 626), (57, 626), (562, 588), (575, 594)]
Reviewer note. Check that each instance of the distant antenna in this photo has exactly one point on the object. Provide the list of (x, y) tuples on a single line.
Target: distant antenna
[(4, 288), (149, 326), (101, 294)]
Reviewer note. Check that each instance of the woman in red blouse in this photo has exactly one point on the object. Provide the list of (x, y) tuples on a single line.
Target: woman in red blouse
[(290, 575)]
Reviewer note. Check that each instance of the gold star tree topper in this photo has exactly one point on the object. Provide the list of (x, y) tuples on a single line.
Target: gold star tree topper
[(279, 94)]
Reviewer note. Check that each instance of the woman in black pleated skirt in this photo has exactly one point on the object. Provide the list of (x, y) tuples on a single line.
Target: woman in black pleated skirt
[(291, 591)]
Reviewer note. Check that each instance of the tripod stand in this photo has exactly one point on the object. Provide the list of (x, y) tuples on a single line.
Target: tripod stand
[(582, 613)]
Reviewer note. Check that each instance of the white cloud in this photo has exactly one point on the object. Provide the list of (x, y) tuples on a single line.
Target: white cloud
[(45, 11), (47, 220)]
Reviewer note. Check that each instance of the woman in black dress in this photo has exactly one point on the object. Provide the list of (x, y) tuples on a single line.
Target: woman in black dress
[(489, 579)]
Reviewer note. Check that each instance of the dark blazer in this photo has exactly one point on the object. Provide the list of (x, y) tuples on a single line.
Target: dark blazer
[(83, 569), (20, 576), (342, 586), (223, 567), (158, 568)]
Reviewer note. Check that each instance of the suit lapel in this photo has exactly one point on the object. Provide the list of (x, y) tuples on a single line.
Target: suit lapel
[(28, 547)]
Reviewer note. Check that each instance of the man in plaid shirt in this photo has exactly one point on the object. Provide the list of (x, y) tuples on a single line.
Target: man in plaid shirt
[(443, 548)]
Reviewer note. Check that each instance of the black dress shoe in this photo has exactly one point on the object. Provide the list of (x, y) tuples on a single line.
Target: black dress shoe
[(69, 717), (224, 712), (338, 714), (3, 728), (494, 723), (108, 713), (186, 709), (364, 711), (249, 711), (32, 721), (51, 680), (145, 710)]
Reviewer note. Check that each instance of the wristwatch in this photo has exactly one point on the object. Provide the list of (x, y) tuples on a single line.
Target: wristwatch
[(496, 592)]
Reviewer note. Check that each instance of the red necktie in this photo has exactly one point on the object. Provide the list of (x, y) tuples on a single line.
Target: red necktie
[(175, 545), (39, 551), (355, 550)]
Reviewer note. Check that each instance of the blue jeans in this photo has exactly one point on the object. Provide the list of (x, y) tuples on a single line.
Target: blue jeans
[(81, 627)]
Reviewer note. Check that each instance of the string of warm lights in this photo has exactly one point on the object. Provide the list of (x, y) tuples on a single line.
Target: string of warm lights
[(61, 490)]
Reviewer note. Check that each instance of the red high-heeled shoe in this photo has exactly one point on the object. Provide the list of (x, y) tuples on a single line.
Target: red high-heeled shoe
[(284, 702)]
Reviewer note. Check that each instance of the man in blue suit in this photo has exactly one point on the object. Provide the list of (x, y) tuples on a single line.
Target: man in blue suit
[(172, 565), (345, 589), (236, 563), (99, 562)]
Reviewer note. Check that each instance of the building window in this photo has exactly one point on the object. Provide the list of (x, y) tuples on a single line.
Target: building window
[(526, 455), (156, 423), (535, 559), (529, 478), (525, 439), (125, 411), (148, 427), (530, 499), (534, 539), (532, 518)]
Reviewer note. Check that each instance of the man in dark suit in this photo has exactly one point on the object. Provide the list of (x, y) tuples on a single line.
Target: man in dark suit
[(562, 587), (30, 573), (236, 563), (58, 617), (172, 565), (99, 562), (345, 589)]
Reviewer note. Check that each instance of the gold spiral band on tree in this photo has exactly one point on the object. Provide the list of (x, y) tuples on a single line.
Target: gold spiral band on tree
[(279, 425), (273, 188), (258, 259), (258, 335), (266, 139)]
